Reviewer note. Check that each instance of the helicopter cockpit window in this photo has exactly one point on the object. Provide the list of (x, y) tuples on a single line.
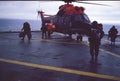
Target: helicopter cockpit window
[(86, 19)]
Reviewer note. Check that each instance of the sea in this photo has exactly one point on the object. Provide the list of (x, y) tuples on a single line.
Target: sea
[(15, 25)]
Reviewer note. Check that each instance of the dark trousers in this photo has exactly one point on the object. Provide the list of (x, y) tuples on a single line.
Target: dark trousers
[(28, 35), (44, 34), (49, 33), (94, 50)]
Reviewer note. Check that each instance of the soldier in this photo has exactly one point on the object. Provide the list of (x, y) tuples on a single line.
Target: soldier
[(50, 28), (44, 30), (112, 33), (94, 41), (27, 30)]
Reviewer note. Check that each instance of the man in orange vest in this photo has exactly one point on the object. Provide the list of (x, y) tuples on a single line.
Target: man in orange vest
[(50, 28)]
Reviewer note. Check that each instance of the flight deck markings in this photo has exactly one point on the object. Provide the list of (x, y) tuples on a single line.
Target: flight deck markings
[(77, 72), (108, 52)]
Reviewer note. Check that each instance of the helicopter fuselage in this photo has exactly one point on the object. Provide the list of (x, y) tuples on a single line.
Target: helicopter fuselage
[(71, 24)]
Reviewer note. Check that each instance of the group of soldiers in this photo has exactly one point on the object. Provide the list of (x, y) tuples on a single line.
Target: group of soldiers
[(94, 38)]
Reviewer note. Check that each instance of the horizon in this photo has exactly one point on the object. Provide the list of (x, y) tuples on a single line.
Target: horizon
[(16, 24), (116, 24)]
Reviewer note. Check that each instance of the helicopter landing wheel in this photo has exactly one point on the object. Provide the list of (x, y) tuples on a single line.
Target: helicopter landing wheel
[(70, 36), (79, 38)]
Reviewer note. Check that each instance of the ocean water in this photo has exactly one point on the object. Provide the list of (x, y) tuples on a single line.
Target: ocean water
[(16, 25)]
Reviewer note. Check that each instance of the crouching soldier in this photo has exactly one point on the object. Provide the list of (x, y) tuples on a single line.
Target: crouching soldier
[(26, 30)]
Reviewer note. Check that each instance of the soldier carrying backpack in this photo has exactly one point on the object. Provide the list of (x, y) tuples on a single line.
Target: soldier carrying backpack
[(112, 33), (94, 40)]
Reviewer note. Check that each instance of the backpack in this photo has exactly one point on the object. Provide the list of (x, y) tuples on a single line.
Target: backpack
[(21, 34), (95, 33)]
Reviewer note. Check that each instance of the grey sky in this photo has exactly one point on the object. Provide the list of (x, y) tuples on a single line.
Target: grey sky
[(28, 10)]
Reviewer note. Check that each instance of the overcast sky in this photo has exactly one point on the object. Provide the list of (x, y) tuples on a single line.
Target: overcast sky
[(28, 10)]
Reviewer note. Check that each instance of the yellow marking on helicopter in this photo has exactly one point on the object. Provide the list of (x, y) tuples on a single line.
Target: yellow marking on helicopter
[(77, 72)]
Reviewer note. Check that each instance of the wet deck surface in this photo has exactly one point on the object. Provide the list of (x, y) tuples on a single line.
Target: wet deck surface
[(56, 59)]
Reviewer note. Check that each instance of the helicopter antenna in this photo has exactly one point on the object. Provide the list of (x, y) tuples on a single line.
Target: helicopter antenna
[(38, 6)]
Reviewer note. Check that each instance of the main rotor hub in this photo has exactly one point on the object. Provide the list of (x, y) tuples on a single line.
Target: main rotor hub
[(68, 1)]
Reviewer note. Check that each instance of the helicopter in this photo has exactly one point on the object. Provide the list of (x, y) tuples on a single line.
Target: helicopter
[(69, 19)]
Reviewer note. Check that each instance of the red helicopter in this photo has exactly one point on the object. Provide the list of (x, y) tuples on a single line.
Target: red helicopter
[(70, 19)]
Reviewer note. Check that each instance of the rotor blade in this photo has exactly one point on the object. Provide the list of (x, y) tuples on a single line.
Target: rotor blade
[(92, 3)]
